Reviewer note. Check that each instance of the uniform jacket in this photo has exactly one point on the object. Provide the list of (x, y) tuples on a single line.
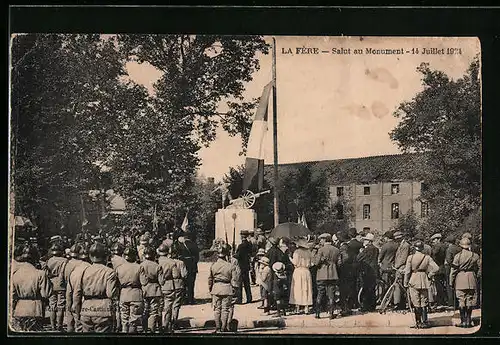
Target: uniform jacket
[(95, 291), (326, 260), (55, 269), (401, 254), (464, 269), (223, 278), (130, 282), (369, 258), (439, 253), (419, 267), (74, 275), (190, 255), (149, 272), (30, 289), (117, 260), (172, 274), (243, 254), (451, 251), (387, 255), (70, 266)]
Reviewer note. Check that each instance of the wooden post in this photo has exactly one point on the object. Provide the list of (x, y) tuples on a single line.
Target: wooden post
[(275, 139)]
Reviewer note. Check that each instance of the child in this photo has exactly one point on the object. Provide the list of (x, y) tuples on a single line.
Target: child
[(264, 278), (280, 287), (260, 253)]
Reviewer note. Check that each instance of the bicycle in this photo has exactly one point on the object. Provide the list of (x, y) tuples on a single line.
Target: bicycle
[(388, 296), (380, 290)]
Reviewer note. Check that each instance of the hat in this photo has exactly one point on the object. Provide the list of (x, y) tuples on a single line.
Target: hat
[(419, 245), (325, 236), (264, 260), (279, 269), (467, 235), (259, 231), (56, 249), (144, 239), (464, 243), (251, 231), (97, 252), (75, 250), (389, 234), (55, 238), (302, 243), (261, 252), (436, 236), (162, 250), (244, 233), (369, 237), (398, 234)]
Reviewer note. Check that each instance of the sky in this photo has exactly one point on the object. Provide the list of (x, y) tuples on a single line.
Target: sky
[(332, 106)]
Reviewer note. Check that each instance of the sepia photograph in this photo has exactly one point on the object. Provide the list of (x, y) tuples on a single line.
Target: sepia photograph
[(226, 185)]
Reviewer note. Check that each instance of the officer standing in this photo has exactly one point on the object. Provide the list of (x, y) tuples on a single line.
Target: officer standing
[(131, 301), (463, 277), (31, 289), (70, 266), (439, 257), (57, 302), (149, 273), (368, 260), (326, 260), (400, 259), (82, 259), (452, 250), (173, 272), (96, 293), (222, 283), (243, 254), (190, 255)]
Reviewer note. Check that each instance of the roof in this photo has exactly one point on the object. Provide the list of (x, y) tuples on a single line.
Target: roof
[(365, 170)]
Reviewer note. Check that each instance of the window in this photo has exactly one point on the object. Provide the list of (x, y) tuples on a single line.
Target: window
[(424, 211), (340, 191), (366, 191), (366, 211), (340, 211), (394, 188), (395, 211)]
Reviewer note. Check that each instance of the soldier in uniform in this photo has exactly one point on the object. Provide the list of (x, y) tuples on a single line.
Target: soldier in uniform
[(73, 262), (368, 260), (131, 301), (96, 293), (234, 299), (418, 269), (452, 250), (117, 255), (463, 276), (190, 255), (74, 324), (326, 260), (439, 257), (400, 258), (57, 301), (253, 253), (143, 243), (31, 289), (222, 283), (149, 272), (172, 275), (243, 255)]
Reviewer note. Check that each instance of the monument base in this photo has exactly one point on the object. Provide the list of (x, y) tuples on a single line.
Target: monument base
[(232, 221)]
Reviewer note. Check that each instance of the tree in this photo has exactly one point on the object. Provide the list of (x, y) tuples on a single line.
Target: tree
[(200, 72), (444, 121), (408, 224), (68, 99)]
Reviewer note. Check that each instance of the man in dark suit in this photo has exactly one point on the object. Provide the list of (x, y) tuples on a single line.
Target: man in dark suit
[(368, 260), (438, 254), (243, 255), (452, 250), (190, 255), (400, 258), (354, 246), (386, 258), (347, 275)]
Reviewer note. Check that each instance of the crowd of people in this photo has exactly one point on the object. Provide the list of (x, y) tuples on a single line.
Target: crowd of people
[(138, 284)]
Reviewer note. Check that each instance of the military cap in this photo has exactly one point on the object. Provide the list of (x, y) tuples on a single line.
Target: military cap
[(56, 249), (419, 245), (162, 250), (97, 252), (436, 236), (149, 253), (398, 234), (75, 250), (117, 248), (465, 243), (130, 254)]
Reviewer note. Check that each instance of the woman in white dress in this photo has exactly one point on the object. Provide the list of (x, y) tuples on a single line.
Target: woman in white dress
[(301, 286)]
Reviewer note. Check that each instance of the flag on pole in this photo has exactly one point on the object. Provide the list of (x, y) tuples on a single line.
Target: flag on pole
[(303, 220), (155, 221), (254, 162), (185, 223)]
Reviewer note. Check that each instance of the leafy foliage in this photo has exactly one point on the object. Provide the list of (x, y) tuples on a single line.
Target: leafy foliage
[(444, 120)]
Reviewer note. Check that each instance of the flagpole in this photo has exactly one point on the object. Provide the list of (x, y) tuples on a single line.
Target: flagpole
[(275, 139)]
